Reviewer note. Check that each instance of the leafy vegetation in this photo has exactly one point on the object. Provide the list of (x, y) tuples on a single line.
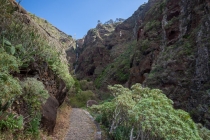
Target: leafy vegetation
[(80, 93), (34, 95), (144, 113), (80, 99), (9, 86), (157, 9), (12, 122), (118, 69), (151, 25), (139, 113), (20, 46), (144, 44), (171, 22)]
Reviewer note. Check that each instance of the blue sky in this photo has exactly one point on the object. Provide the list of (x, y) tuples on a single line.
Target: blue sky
[(76, 17)]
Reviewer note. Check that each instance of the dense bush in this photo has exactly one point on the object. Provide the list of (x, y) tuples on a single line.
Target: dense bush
[(80, 99), (146, 113), (34, 93), (86, 85), (11, 122), (80, 93), (9, 86), (33, 96)]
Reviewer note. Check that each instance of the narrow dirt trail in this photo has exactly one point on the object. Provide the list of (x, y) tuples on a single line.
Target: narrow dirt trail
[(81, 126)]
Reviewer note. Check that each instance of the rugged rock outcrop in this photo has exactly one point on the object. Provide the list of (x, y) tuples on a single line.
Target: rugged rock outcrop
[(73, 54), (40, 70), (54, 85), (50, 33), (104, 56), (54, 35), (171, 53), (18, 7), (95, 53)]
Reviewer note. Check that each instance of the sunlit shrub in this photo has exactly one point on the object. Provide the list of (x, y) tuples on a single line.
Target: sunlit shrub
[(34, 93), (146, 113)]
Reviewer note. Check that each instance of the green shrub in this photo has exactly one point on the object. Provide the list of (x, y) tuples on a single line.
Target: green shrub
[(80, 93), (80, 99), (57, 65), (171, 22), (147, 113), (98, 118), (9, 86), (121, 133), (85, 85), (104, 95), (34, 93), (145, 44), (10, 89), (34, 125), (11, 122), (121, 75), (8, 63), (151, 25)]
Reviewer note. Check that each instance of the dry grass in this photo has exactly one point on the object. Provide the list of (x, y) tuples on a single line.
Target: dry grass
[(62, 124)]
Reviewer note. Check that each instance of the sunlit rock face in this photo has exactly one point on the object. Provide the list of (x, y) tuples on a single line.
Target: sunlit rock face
[(40, 70), (102, 52), (171, 53)]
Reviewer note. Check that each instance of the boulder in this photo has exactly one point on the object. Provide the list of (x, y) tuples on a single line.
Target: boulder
[(91, 102), (49, 113)]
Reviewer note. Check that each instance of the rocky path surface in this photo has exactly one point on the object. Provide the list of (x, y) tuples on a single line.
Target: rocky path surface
[(82, 126)]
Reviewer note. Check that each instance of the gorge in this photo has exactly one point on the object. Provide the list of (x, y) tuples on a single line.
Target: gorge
[(163, 45)]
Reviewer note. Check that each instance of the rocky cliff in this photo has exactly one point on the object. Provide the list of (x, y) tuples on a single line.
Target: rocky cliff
[(103, 48), (173, 54), (50, 33), (164, 44), (43, 45), (64, 41), (56, 87)]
